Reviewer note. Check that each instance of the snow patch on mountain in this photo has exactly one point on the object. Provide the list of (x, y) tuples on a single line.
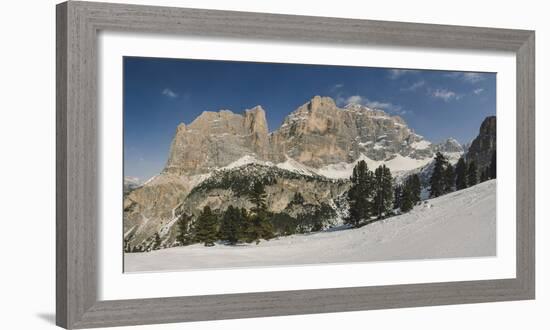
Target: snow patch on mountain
[(397, 164), (131, 180), (453, 157), (421, 145), (296, 167), (151, 180), (244, 160)]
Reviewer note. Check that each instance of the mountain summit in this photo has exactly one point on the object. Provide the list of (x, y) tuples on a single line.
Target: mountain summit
[(216, 139)]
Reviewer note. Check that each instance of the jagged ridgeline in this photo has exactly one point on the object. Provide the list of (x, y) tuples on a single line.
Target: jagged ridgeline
[(304, 167)]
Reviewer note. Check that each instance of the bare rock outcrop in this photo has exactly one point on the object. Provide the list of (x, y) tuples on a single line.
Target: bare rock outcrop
[(319, 133), (216, 139), (485, 144)]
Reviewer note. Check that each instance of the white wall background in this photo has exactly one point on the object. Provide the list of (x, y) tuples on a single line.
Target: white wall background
[(27, 164)]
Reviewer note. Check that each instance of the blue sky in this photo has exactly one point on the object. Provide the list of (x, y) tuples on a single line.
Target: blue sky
[(161, 93)]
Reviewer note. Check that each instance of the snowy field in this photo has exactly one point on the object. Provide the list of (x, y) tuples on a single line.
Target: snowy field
[(460, 224)]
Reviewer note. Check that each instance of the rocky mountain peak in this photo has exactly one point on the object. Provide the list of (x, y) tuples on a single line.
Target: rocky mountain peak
[(320, 102), (215, 139), (316, 134), (255, 123), (319, 133), (488, 126), (181, 127), (450, 145), (484, 145), (367, 110), (255, 119), (256, 110)]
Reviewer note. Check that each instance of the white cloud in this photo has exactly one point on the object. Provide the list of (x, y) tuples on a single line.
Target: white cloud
[(386, 106), (414, 86), (398, 73), (445, 94), (478, 91), (170, 93), (471, 77), (355, 99), (336, 87)]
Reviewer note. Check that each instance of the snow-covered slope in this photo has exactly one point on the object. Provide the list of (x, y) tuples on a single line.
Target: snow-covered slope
[(131, 183), (397, 164), (460, 224), (296, 167), (244, 160)]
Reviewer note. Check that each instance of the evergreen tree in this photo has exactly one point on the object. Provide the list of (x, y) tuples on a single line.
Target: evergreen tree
[(258, 225), (461, 174), (298, 199), (449, 179), (410, 193), (206, 231), (415, 187), (472, 174), (484, 176), (437, 181), (284, 224), (127, 246), (383, 194), (184, 236), (258, 196), (245, 225), (156, 242), (406, 199), (360, 194), (493, 166), (397, 193), (231, 225)]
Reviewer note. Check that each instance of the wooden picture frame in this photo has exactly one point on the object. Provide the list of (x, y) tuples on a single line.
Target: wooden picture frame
[(78, 24)]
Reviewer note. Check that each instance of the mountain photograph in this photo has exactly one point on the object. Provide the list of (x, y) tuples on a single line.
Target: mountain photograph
[(244, 164)]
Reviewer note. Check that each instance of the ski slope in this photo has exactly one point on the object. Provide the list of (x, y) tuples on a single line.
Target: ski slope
[(460, 224)]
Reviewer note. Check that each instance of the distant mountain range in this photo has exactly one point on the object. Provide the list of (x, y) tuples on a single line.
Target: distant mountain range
[(313, 153)]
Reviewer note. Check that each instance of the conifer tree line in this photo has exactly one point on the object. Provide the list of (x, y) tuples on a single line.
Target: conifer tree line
[(446, 179), (238, 225), (234, 226), (372, 195), (489, 172), (443, 176), (407, 194)]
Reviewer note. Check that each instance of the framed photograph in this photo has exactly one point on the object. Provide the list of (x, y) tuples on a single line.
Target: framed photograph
[(218, 165)]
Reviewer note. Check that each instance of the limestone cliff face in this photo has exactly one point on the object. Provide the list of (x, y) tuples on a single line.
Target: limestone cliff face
[(319, 133), (316, 134), (216, 139), (484, 145), (149, 207), (256, 123)]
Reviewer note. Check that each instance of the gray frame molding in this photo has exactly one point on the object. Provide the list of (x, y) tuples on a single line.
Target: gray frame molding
[(77, 150)]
